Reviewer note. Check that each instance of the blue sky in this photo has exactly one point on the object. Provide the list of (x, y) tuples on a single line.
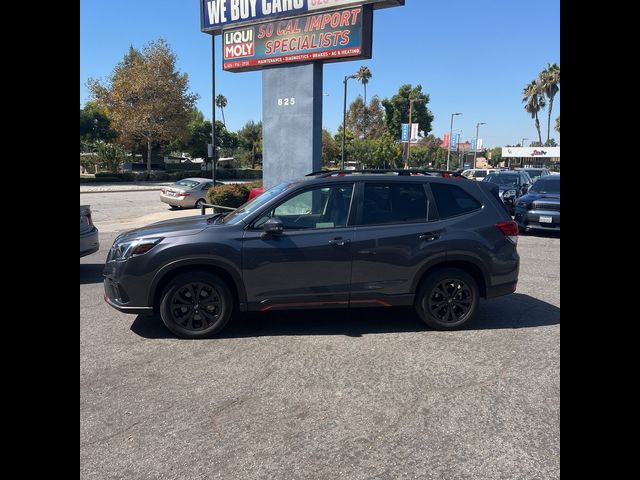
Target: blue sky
[(470, 56)]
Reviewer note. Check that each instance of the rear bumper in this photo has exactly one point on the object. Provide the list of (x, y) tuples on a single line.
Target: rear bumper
[(500, 290), (178, 201), (89, 242)]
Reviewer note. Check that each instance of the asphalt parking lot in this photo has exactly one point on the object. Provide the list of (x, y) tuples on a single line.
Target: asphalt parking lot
[(322, 395)]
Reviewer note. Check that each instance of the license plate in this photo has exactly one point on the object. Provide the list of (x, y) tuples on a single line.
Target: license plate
[(546, 219), (171, 194)]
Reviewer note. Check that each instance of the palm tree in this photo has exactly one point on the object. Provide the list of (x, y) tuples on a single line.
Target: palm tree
[(363, 76), (534, 102), (549, 81), (221, 103), (557, 129)]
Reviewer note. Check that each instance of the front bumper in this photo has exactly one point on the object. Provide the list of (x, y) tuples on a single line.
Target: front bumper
[(115, 297), (530, 219)]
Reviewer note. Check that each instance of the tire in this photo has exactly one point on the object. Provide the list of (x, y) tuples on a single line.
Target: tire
[(184, 319), (440, 312), (199, 203)]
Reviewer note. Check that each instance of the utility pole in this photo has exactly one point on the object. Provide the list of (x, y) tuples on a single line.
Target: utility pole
[(344, 115), (475, 150), (450, 138)]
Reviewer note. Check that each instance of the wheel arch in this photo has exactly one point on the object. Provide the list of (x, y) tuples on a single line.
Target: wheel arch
[(220, 268), (467, 264)]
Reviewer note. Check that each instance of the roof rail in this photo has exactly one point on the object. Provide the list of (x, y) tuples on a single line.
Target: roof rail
[(398, 171)]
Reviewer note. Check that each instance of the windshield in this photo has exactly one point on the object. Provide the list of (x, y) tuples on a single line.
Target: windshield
[(546, 186), (186, 184), (248, 208), (534, 173), (502, 178)]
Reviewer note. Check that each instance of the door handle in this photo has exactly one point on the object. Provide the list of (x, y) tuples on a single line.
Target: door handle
[(339, 242), (429, 236)]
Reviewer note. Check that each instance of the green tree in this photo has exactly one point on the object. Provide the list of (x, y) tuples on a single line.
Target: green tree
[(534, 102), (558, 124), (221, 103), (147, 99), (365, 125), (387, 152), (495, 156), (95, 124), (251, 138), (330, 148), (363, 76), (549, 82), (110, 156), (397, 110)]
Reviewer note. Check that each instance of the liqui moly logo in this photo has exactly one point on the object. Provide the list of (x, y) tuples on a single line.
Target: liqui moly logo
[(239, 43)]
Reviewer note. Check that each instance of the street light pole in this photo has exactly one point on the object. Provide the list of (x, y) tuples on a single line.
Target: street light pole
[(213, 109), (344, 115), (451, 138), (475, 150)]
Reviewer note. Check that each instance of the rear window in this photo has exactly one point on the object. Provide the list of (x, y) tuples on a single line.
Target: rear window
[(187, 183), (452, 200)]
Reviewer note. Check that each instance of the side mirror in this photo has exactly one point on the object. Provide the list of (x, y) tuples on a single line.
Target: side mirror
[(273, 226)]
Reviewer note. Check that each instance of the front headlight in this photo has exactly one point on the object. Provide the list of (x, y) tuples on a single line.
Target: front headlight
[(123, 250), (509, 193)]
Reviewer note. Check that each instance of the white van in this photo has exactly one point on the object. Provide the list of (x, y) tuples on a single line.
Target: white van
[(478, 174)]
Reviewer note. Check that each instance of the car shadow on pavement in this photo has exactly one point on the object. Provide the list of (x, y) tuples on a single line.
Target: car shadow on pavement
[(541, 233), (91, 273), (509, 312)]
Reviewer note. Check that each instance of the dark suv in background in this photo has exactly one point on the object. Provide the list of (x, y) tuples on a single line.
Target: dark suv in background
[(512, 184), (329, 240), (539, 209)]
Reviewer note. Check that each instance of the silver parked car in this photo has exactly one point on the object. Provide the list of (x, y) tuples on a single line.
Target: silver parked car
[(188, 192), (88, 232)]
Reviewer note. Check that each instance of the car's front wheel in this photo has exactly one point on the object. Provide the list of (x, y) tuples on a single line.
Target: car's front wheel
[(447, 299), (196, 305)]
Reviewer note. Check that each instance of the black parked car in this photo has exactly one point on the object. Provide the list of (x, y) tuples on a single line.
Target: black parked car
[(540, 208), (512, 185), (331, 240)]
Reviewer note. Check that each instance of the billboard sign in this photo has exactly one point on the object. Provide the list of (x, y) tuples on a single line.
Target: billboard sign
[(533, 152), (329, 36), (216, 15), (414, 133)]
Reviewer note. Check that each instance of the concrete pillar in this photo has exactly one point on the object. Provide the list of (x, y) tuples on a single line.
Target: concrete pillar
[(291, 122)]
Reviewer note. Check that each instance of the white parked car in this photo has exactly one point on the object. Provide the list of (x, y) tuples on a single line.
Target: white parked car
[(478, 174)]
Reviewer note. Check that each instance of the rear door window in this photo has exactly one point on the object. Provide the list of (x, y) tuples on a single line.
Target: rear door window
[(386, 203)]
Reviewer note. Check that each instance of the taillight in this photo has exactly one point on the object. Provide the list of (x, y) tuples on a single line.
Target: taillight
[(89, 219), (509, 230), (183, 194)]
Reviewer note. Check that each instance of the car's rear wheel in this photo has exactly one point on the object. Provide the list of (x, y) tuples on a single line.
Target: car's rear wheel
[(447, 299), (196, 305), (199, 203)]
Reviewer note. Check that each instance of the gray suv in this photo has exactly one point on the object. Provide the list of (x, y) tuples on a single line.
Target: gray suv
[(344, 239)]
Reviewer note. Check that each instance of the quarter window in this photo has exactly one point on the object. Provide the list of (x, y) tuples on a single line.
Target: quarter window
[(452, 200)]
